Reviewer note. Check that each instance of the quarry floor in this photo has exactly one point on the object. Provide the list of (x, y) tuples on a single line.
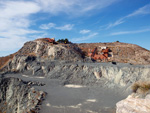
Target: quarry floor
[(75, 98)]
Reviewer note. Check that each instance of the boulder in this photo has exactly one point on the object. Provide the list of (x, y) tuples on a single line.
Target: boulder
[(134, 104)]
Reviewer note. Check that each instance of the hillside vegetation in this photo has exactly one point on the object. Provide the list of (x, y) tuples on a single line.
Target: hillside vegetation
[(4, 60)]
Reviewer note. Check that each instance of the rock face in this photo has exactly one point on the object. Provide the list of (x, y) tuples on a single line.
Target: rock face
[(80, 73), (83, 73), (17, 96), (91, 73), (134, 104), (39, 51), (50, 51)]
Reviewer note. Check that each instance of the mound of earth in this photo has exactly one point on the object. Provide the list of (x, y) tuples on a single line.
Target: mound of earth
[(121, 52)]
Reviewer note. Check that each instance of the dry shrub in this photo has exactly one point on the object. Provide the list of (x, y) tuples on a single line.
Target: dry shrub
[(32, 54), (5, 60), (141, 87), (4, 64)]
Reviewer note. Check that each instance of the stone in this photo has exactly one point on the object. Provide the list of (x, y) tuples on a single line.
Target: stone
[(19, 96), (134, 104), (97, 75)]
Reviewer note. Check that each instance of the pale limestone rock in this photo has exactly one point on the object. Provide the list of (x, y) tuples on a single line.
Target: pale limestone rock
[(118, 77), (97, 75), (51, 51), (134, 105), (37, 47)]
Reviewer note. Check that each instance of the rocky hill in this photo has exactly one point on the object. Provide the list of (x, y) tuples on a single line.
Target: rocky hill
[(40, 50), (121, 52), (45, 50), (67, 63)]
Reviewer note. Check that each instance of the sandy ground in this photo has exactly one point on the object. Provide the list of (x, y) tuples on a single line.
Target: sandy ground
[(75, 98)]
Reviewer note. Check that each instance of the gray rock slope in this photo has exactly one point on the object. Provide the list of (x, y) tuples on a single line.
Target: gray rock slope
[(17, 96), (40, 51), (105, 75), (50, 51), (82, 73), (65, 62), (94, 73)]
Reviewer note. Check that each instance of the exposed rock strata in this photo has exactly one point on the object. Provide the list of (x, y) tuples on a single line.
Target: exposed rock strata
[(80, 73), (84, 73), (39, 51), (17, 96), (50, 51)]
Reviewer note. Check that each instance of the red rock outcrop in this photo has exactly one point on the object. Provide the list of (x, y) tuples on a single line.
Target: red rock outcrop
[(121, 52)]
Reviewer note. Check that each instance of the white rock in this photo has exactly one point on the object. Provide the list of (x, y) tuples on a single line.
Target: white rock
[(133, 105), (97, 75)]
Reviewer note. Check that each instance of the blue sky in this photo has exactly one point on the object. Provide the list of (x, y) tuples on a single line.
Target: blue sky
[(81, 21)]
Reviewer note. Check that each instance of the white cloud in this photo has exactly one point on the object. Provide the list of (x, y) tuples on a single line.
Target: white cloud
[(79, 40), (73, 7), (85, 31), (130, 32), (17, 32), (15, 23), (20, 8), (47, 26), (141, 11), (10, 44), (118, 22), (15, 14), (66, 27)]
